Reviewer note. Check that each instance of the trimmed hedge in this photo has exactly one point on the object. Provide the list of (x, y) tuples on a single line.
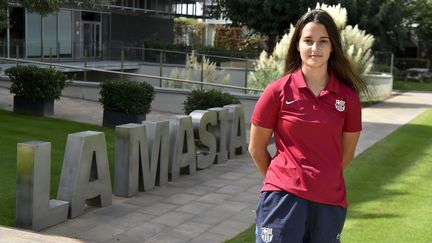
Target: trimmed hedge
[(130, 97), (205, 99), (35, 83)]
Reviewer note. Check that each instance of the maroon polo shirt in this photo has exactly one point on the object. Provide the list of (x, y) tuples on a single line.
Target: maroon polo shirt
[(308, 136)]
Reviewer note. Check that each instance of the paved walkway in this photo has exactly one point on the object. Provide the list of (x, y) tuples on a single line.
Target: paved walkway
[(211, 206)]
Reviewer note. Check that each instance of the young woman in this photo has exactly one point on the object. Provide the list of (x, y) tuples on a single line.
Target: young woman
[(314, 112)]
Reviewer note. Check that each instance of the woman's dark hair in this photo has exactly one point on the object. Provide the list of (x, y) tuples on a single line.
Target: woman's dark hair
[(338, 62)]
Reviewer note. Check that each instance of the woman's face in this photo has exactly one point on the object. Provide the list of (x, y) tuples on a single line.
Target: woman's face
[(314, 45)]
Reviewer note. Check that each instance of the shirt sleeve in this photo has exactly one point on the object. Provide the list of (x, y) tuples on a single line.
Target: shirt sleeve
[(353, 120), (266, 109)]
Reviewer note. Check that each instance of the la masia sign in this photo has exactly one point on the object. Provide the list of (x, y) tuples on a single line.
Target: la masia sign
[(157, 150)]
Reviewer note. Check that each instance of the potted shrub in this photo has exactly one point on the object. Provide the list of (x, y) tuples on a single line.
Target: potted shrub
[(35, 89), (125, 101), (205, 99)]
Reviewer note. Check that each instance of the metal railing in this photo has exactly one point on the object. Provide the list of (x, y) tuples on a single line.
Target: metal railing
[(17, 61), (406, 63), (117, 51), (108, 50)]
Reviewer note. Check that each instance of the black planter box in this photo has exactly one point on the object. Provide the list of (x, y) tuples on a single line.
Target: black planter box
[(36, 108), (114, 118)]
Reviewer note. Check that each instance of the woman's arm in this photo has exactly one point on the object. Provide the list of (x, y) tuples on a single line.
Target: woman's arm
[(259, 140), (349, 143)]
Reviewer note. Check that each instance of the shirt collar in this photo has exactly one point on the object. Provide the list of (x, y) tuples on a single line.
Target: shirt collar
[(300, 82), (298, 79)]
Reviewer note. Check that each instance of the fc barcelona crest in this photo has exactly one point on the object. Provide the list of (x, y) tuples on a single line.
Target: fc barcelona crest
[(340, 105), (266, 234)]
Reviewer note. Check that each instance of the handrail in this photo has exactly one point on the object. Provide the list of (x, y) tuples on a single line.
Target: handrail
[(184, 52), (130, 74)]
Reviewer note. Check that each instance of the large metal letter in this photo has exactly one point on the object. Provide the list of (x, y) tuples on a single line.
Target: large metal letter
[(205, 141), (158, 141), (221, 132), (182, 146), (85, 176), (236, 130), (34, 210), (130, 147), (138, 152)]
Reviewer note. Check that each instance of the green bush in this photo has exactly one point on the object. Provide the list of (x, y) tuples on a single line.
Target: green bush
[(130, 97), (205, 99), (208, 50), (35, 83), (385, 69)]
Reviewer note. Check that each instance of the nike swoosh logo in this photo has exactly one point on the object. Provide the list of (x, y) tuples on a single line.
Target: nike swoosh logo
[(290, 102)]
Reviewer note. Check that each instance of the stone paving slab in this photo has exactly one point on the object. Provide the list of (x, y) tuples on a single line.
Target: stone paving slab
[(212, 205), (175, 215)]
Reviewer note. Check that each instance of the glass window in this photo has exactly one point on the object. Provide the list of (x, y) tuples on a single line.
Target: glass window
[(90, 16), (50, 35), (65, 32), (34, 35)]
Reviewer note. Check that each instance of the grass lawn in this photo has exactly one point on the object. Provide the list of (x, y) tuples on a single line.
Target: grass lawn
[(389, 189), (400, 84), (20, 128)]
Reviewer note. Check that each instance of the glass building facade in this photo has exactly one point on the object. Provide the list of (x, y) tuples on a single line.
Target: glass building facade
[(73, 32)]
